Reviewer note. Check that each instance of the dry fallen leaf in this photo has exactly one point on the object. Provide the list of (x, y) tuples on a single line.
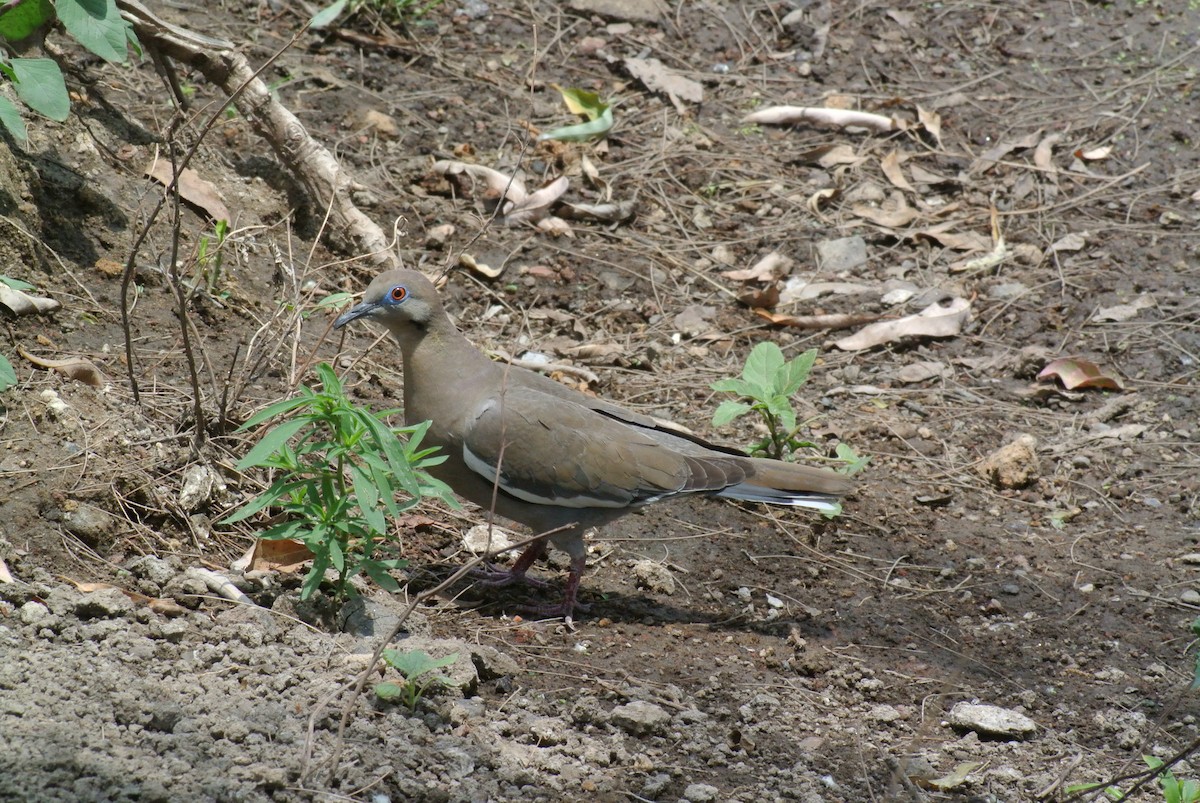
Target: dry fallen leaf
[(771, 267), (818, 322), (1076, 373), (76, 368), (1123, 312), (193, 189), (658, 77), (761, 298), (482, 268), (1075, 241), (1043, 154), (5, 575), (936, 320), (893, 213), (838, 118), (283, 555), (536, 205), (988, 158), (1095, 154), (21, 303), (891, 168)]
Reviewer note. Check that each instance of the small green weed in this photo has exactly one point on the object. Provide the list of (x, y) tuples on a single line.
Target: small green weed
[(39, 83), (417, 668), (767, 385), (1173, 790), (337, 485), (210, 264)]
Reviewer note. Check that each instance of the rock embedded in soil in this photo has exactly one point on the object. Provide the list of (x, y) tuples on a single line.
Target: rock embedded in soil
[(1013, 465), (640, 717), (991, 720)]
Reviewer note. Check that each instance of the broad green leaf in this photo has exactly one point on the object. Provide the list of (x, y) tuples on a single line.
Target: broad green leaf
[(739, 386), (21, 21), (378, 573), (329, 380), (582, 101), (761, 366), (334, 300), (336, 556), (280, 488), (795, 373), (389, 692), (8, 376), (15, 284), (272, 410), (327, 15), (415, 663), (40, 84), (98, 26), (582, 132), (781, 408), (727, 411), (270, 443), (312, 581)]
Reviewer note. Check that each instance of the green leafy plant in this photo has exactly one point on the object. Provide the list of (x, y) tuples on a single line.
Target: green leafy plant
[(766, 388), (1173, 790), (8, 374), (39, 83), (338, 470), (417, 668), (210, 264)]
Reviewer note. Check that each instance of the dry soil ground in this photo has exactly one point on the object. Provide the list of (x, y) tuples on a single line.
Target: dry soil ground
[(733, 653)]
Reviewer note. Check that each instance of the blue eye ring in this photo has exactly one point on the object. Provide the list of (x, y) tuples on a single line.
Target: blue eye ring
[(398, 294)]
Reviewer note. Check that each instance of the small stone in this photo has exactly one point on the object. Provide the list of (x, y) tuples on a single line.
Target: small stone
[(701, 792), (89, 523), (152, 568), (33, 612), (640, 717), (653, 576), (991, 720), (1014, 465), (884, 713), (842, 254), (1190, 596), (197, 487), (1192, 558), (108, 603)]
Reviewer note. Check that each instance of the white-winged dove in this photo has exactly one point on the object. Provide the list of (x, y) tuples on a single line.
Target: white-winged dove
[(549, 457)]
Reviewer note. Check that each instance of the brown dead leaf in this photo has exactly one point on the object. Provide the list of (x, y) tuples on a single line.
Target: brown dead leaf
[(822, 115), (1075, 241), (1123, 312), (166, 607), (21, 303), (771, 267), (893, 213), (283, 555), (1075, 373), (597, 352), (827, 156), (536, 205), (555, 227), (76, 368), (988, 158), (891, 168), (658, 77), (761, 298), (818, 322), (1095, 154), (931, 121), (1043, 154), (482, 268), (936, 320), (193, 189)]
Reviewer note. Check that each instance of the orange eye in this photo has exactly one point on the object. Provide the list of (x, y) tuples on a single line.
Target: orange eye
[(398, 293)]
